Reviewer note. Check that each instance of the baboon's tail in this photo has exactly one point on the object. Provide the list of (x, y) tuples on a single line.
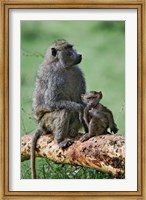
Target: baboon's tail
[(35, 137)]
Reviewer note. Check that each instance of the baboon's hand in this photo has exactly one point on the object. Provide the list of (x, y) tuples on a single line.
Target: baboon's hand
[(89, 106), (79, 107)]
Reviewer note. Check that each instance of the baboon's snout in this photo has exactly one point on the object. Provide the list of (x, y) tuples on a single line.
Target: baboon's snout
[(79, 58)]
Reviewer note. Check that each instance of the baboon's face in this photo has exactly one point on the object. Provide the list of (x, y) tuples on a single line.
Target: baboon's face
[(90, 101), (67, 57), (91, 98)]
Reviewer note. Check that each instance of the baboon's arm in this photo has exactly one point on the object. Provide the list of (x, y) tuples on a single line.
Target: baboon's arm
[(63, 104)]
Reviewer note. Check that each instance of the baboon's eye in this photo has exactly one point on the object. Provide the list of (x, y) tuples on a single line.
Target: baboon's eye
[(69, 53), (100, 94), (54, 52), (90, 98)]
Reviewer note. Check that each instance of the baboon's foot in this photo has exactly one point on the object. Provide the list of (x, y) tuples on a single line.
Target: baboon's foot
[(66, 143)]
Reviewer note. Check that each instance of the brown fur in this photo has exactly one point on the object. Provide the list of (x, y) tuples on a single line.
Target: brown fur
[(97, 117)]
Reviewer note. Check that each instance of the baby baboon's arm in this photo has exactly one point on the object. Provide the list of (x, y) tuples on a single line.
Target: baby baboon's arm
[(87, 117)]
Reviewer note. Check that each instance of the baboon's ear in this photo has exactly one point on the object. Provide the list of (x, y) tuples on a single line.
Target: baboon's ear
[(54, 51), (101, 95)]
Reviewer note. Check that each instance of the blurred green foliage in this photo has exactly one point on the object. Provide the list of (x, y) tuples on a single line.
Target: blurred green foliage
[(102, 45), (49, 169)]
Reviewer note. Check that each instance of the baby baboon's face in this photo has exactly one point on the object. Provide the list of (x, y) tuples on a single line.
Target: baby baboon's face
[(91, 98)]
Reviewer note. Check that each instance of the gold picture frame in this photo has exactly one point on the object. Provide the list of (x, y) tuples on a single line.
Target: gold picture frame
[(5, 5)]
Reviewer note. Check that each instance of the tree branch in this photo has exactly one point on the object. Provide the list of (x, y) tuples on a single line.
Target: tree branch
[(105, 153)]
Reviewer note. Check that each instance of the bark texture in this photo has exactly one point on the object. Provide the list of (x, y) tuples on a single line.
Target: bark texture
[(105, 153)]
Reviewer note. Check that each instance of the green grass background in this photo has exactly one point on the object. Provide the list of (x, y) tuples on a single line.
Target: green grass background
[(102, 45)]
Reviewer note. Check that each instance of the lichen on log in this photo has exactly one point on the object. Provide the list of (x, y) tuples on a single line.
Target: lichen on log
[(105, 153)]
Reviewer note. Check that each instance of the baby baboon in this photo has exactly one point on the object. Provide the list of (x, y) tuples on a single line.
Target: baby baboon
[(97, 117), (57, 96)]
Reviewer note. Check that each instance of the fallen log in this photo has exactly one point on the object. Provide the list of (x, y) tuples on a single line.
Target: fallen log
[(105, 153)]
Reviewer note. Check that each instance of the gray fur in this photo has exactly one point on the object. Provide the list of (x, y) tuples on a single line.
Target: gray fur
[(57, 96)]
